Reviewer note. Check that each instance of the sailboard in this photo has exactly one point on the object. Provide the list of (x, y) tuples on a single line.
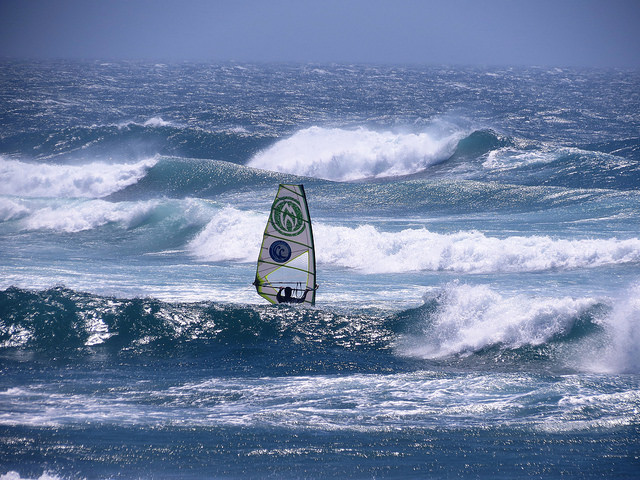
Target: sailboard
[(286, 271)]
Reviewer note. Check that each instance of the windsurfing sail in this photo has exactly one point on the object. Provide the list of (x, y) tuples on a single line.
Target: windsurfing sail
[(286, 270)]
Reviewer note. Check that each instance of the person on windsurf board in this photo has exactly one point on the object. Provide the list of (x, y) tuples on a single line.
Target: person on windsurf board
[(286, 262)]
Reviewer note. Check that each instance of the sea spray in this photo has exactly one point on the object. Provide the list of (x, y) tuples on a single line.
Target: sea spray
[(621, 350), (11, 209), (232, 235), (464, 319)]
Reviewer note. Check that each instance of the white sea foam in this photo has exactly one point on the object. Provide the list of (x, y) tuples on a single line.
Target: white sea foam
[(79, 215), (507, 158), (232, 235), (13, 475), (91, 180), (157, 122), (235, 235), (367, 249), (356, 402), (470, 318), (343, 155)]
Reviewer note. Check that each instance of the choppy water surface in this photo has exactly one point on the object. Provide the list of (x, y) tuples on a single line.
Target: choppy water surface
[(477, 247)]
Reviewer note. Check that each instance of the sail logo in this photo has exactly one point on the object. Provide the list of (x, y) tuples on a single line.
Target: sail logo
[(286, 217), (280, 251)]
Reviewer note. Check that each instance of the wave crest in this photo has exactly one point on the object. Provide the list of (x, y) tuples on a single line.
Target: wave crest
[(87, 215), (344, 155), (234, 235), (464, 319), (91, 180)]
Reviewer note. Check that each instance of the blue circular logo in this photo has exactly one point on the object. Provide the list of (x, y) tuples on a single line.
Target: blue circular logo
[(280, 251)]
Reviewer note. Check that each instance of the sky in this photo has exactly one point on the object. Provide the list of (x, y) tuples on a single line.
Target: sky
[(591, 33)]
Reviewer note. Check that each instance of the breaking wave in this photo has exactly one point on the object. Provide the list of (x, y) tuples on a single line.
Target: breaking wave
[(621, 352), (463, 319), (92, 180), (359, 154), (456, 322), (79, 216), (234, 235), (11, 209), (343, 155)]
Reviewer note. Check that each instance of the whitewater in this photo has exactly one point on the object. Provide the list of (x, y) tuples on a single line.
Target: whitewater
[(477, 246)]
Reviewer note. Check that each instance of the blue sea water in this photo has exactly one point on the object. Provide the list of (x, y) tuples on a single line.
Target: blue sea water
[(478, 245)]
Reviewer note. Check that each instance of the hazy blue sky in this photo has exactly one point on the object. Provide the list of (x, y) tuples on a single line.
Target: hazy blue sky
[(490, 32)]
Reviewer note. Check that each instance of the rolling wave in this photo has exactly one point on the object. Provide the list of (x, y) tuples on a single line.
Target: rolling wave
[(11, 209), (90, 180), (622, 349), (456, 322), (463, 319), (81, 215), (179, 177), (234, 235), (181, 162), (78, 216), (343, 155), (563, 167), (63, 319), (485, 155)]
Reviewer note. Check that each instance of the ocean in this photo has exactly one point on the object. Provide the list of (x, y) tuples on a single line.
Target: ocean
[(477, 241)]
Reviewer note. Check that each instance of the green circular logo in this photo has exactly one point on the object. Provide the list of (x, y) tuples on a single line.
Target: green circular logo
[(286, 217)]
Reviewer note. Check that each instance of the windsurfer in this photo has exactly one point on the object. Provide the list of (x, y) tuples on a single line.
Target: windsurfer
[(288, 297)]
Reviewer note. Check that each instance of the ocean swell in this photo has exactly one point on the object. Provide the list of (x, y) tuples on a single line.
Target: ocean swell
[(67, 320)]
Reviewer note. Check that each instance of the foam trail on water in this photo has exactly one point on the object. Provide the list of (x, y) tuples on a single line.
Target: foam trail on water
[(470, 318), (91, 180), (510, 158), (343, 155), (235, 235)]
